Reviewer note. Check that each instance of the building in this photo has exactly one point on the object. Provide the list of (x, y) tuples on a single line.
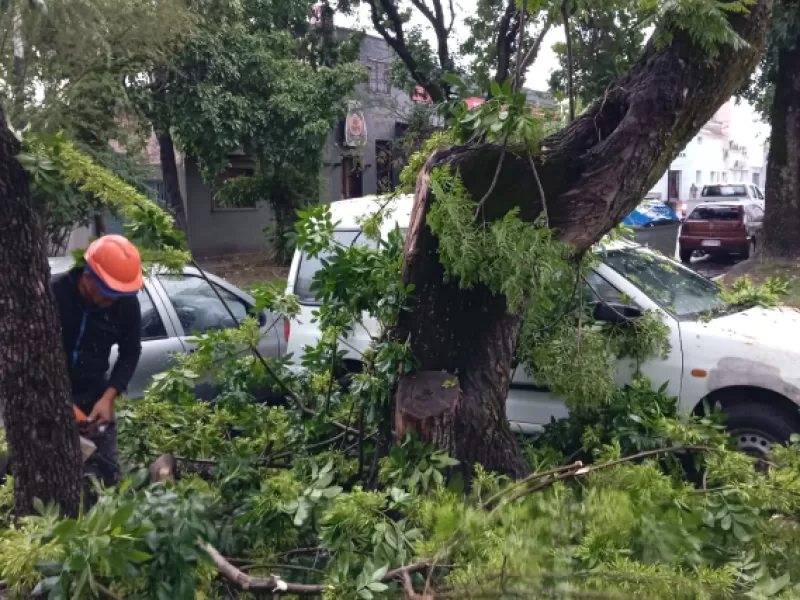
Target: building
[(352, 166), (710, 157)]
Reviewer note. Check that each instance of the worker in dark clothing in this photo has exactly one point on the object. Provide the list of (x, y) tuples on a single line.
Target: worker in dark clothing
[(98, 307)]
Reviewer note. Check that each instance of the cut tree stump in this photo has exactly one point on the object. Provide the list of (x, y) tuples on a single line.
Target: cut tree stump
[(426, 402)]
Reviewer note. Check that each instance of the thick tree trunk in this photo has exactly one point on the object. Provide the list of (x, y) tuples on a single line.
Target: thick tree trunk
[(42, 433), (594, 172), (781, 237)]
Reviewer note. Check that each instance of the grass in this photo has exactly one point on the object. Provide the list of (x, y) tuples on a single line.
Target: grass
[(760, 269)]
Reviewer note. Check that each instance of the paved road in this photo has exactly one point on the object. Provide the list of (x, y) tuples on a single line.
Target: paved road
[(712, 266)]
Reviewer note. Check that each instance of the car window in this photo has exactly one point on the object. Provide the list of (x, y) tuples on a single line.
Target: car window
[(152, 325), (598, 288), (675, 288), (198, 308), (760, 195), (724, 191), (716, 213)]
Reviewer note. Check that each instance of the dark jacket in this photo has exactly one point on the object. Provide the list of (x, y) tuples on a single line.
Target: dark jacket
[(89, 333)]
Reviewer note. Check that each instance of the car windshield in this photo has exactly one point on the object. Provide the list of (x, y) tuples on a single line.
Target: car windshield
[(716, 213), (677, 289), (725, 191)]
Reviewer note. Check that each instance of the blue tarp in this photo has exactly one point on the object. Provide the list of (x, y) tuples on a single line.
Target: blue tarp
[(651, 212)]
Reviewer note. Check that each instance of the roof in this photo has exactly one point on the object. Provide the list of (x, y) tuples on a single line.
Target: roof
[(348, 213)]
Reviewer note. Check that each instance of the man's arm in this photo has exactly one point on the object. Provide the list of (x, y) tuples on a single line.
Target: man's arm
[(130, 348)]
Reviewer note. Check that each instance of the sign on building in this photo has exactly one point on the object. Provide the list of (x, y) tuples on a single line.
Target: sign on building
[(355, 127)]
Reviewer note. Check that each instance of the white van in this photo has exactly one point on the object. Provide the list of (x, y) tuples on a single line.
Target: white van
[(747, 360)]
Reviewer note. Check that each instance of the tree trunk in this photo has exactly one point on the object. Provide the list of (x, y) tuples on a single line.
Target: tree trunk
[(42, 434), (169, 176), (781, 237), (593, 172)]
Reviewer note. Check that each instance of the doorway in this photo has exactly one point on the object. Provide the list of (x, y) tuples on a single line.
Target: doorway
[(352, 184), (673, 185)]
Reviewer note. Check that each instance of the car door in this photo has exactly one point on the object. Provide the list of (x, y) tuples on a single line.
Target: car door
[(160, 341), (531, 405), (196, 309)]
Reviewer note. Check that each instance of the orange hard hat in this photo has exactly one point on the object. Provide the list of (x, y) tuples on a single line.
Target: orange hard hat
[(116, 263)]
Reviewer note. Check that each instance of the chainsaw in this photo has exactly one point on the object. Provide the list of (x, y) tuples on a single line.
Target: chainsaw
[(88, 447)]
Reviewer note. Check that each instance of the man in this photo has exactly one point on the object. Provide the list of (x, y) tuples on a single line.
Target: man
[(98, 307)]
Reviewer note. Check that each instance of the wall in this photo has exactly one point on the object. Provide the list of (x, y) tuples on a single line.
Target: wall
[(221, 231), (382, 111)]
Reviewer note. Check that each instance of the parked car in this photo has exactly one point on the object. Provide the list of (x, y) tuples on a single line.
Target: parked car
[(727, 191), (744, 359), (721, 191), (173, 308), (721, 228)]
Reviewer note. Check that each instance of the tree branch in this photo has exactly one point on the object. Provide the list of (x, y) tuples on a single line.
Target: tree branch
[(505, 37), (275, 584), (533, 51), (398, 43), (568, 36)]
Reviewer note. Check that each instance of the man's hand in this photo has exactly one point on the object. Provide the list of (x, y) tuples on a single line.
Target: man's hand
[(103, 411)]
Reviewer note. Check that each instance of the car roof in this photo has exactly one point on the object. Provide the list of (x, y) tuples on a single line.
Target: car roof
[(348, 214), (60, 264), (727, 203)]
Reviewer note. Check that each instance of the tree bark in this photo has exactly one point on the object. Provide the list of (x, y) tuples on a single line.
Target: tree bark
[(781, 237), (169, 177), (46, 459), (593, 173)]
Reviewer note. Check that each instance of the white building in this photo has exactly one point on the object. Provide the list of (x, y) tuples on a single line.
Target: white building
[(711, 157)]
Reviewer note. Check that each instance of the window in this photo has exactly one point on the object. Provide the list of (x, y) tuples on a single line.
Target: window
[(724, 176), (198, 307), (600, 289), (677, 289), (243, 194), (152, 325), (713, 177), (760, 195), (724, 191), (716, 213), (698, 177), (378, 77), (352, 182)]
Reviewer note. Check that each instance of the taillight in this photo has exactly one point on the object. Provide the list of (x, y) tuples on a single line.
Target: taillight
[(287, 327)]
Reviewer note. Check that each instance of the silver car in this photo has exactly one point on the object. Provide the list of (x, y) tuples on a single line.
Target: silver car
[(174, 307)]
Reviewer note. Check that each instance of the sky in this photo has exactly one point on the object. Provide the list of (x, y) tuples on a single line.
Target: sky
[(746, 127)]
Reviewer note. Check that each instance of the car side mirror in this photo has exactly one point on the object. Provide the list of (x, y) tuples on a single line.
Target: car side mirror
[(615, 313)]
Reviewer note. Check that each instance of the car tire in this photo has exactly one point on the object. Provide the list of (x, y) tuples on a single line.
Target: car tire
[(686, 255), (756, 426)]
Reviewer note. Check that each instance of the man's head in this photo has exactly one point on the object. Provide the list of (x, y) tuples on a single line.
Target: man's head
[(113, 270)]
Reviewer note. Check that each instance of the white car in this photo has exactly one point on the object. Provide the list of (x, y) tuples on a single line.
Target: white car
[(747, 360)]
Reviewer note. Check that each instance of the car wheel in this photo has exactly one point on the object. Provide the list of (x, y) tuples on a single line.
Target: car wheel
[(686, 255), (757, 426)]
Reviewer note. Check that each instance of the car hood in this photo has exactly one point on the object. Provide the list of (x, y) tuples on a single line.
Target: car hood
[(762, 328)]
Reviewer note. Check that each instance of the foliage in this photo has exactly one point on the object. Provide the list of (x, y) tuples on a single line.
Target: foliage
[(606, 41), (743, 293), (75, 53), (55, 164), (256, 80), (286, 490)]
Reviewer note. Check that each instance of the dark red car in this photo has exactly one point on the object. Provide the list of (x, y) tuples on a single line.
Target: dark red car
[(721, 228)]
